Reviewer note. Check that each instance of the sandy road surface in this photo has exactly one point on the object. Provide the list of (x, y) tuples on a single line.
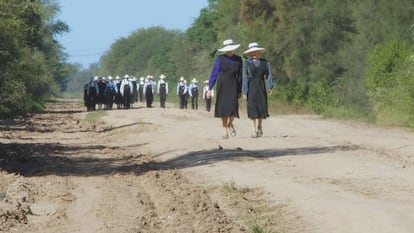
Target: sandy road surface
[(161, 170)]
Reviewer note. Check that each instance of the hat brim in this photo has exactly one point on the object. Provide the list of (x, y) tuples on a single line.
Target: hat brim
[(229, 48), (249, 51)]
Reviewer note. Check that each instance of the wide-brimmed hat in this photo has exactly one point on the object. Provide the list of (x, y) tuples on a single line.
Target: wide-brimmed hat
[(162, 76), (182, 79), (206, 82), (194, 80), (229, 45), (253, 47)]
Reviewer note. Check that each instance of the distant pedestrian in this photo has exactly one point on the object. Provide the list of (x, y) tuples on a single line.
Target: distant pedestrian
[(162, 90), (257, 78), (207, 101), (119, 100), (110, 91), (141, 89), (91, 94), (126, 91), (149, 91), (227, 72), (182, 91), (194, 91), (186, 95)]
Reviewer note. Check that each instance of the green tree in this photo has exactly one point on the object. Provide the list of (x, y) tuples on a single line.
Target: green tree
[(203, 31), (140, 53), (30, 57)]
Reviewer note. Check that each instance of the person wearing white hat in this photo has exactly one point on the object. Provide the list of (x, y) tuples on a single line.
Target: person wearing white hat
[(182, 91), (257, 77), (193, 91), (126, 91), (149, 88), (110, 92), (91, 93), (186, 95), (162, 90), (207, 101), (141, 89), (229, 67), (134, 94), (118, 97)]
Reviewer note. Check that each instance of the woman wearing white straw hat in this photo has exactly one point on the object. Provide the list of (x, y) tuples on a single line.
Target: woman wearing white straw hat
[(227, 72), (256, 72)]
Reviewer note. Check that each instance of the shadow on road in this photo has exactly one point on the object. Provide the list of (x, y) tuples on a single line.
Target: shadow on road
[(206, 157), (41, 159)]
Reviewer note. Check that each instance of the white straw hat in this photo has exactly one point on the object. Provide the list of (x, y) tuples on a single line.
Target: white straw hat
[(228, 45), (253, 47)]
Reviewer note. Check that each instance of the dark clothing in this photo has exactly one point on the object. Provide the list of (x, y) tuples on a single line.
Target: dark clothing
[(256, 73), (194, 102), (149, 96), (227, 73), (141, 92), (194, 89), (181, 92), (185, 97), (100, 99), (134, 92), (127, 96), (163, 94), (118, 97), (208, 103), (91, 94)]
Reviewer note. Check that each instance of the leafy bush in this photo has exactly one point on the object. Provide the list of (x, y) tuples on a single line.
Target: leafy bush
[(390, 83), (14, 100), (319, 96)]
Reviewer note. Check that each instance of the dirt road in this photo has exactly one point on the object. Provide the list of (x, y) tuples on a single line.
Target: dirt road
[(168, 170)]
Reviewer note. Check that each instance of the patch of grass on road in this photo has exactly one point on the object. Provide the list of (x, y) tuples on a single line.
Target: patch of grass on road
[(249, 207), (230, 186), (94, 117)]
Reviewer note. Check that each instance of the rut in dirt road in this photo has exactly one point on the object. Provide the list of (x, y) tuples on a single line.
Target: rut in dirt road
[(74, 183)]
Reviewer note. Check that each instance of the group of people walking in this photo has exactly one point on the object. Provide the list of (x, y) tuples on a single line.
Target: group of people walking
[(231, 84), (253, 85), (192, 91), (124, 92)]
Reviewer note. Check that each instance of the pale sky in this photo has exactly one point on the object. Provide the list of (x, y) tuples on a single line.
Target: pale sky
[(96, 24)]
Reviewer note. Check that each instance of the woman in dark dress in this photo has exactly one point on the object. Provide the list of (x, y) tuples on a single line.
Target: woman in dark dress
[(227, 72), (256, 73)]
